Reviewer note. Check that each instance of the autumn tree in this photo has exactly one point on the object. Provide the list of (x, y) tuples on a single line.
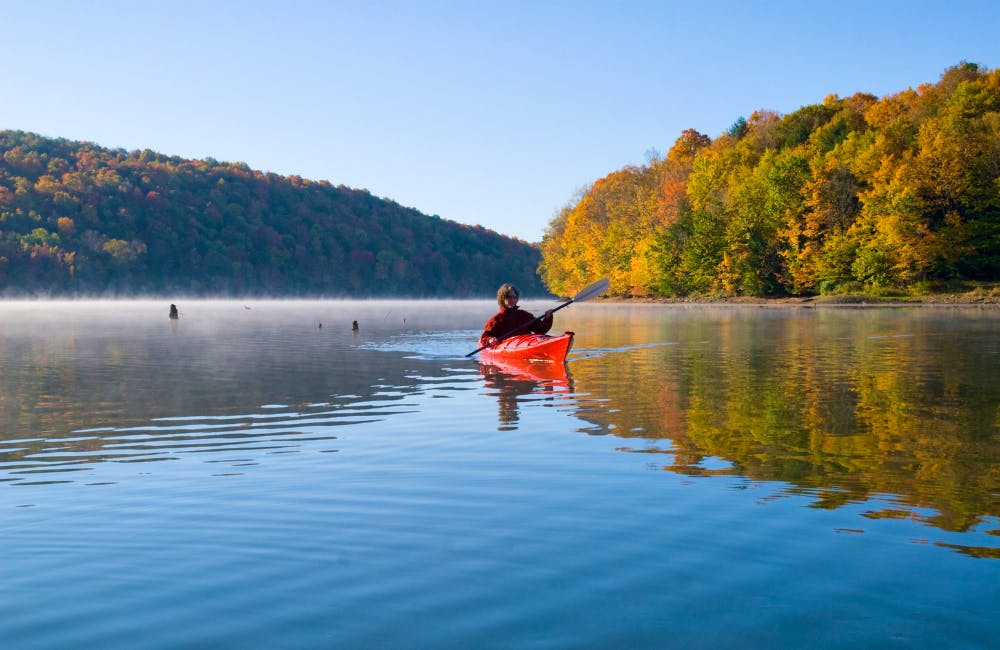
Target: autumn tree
[(78, 218), (853, 193)]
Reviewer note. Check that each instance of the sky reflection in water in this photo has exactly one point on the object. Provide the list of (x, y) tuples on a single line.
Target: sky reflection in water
[(801, 448)]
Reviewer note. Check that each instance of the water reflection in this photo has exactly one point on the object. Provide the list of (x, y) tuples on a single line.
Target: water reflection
[(844, 406), (241, 440), (90, 383), (514, 381), (893, 412)]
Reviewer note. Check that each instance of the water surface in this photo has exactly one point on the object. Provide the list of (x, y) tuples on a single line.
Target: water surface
[(255, 474)]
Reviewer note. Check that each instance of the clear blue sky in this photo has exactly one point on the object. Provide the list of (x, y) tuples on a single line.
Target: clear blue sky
[(483, 112)]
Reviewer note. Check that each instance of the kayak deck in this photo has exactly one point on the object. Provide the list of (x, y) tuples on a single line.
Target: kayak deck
[(532, 347)]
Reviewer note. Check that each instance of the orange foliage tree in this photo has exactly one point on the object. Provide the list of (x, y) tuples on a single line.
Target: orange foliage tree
[(853, 193)]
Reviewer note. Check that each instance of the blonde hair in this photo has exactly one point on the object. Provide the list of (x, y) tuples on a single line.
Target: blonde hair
[(505, 290)]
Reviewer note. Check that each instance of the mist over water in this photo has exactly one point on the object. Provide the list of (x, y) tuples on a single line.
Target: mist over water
[(258, 473)]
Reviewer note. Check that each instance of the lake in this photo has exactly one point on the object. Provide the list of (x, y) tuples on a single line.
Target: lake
[(256, 474)]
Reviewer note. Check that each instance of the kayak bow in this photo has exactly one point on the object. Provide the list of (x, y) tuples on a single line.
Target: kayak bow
[(532, 347)]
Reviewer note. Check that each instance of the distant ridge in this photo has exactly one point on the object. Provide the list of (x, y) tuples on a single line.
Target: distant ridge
[(80, 219)]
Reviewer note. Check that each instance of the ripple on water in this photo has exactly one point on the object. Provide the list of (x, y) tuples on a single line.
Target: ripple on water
[(166, 439), (395, 501)]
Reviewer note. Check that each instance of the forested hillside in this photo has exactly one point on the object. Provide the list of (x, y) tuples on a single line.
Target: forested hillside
[(856, 194), (79, 219)]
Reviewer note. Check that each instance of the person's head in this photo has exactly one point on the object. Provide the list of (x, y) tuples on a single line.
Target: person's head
[(507, 290)]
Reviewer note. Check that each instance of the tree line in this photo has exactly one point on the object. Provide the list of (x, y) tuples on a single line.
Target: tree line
[(79, 219), (856, 194)]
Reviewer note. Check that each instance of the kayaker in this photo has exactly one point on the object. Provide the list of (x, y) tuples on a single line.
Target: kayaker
[(511, 318)]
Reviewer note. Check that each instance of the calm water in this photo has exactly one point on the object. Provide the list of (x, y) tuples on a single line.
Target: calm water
[(257, 475)]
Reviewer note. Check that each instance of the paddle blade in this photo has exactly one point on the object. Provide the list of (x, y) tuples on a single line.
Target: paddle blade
[(592, 291)]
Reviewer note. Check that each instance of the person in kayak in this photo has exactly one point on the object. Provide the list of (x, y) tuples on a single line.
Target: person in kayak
[(511, 319)]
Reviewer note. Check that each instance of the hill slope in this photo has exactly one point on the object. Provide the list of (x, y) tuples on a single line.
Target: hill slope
[(76, 219), (898, 195)]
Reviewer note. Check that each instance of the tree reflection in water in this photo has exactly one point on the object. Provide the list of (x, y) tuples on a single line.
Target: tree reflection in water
[(895, 411)]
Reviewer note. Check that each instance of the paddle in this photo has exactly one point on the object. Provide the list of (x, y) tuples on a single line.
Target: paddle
[(587, 293)]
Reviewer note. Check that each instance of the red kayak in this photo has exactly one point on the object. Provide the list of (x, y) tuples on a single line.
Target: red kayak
[(531, 347)]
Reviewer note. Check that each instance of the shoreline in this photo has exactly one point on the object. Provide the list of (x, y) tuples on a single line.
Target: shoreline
[(970, 299)]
